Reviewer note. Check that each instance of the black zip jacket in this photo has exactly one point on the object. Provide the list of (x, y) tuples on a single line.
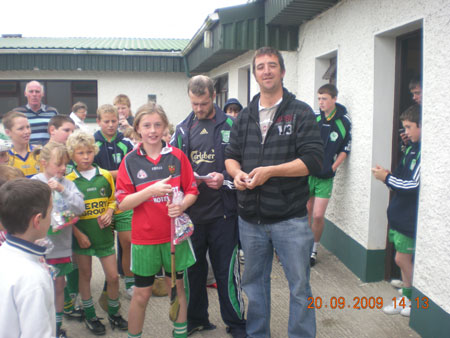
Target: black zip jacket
[(111, 153), (294, 134), (336, 137), (405, 182)]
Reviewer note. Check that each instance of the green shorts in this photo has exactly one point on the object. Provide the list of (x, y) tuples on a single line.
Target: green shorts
[(320, 187), (122, 222), (146, 260), (96, 252), (63, 269), (402, 243)]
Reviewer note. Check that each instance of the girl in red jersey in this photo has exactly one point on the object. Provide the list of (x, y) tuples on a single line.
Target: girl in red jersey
[(145, 179)]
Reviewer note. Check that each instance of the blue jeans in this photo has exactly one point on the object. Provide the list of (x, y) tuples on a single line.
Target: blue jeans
[(292, 239)]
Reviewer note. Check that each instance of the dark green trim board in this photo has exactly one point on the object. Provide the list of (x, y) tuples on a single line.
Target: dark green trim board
[(431, 322), (92, 62), (368, 265)]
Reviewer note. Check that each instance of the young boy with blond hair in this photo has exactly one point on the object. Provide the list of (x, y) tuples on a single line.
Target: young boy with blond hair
[(113, 148), (54, 158), (60, 127), (93, 234)]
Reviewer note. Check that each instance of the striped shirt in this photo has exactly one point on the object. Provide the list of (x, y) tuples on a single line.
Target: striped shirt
[(38, 122)]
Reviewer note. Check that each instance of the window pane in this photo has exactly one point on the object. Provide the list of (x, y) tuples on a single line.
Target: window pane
[(87, 87), (7, 104), (8, 87), (59, 96)]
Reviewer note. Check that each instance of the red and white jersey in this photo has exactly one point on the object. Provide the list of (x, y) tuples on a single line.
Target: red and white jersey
[(151, 222)]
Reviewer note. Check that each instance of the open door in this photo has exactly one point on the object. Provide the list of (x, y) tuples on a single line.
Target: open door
[(408, 65)]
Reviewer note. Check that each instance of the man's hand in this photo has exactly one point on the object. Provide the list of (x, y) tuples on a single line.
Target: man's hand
[(380, 173), (258, 176), (216, 181), (240, 180)]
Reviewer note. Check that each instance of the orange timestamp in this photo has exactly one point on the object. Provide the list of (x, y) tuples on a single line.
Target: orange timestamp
[(363, 303)]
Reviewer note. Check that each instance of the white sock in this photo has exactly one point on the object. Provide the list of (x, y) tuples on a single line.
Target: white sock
[(315, 246)]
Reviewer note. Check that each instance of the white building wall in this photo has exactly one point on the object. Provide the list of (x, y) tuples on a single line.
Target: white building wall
[(363, 34), (170, 88)]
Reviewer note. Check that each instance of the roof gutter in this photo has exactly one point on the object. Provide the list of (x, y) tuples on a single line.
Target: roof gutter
[(76, 51)]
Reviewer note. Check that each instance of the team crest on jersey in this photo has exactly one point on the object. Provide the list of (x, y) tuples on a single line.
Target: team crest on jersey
[(225, 136), (333, 136), (141, 174), (117, 158), (102, 192), (171, 169)]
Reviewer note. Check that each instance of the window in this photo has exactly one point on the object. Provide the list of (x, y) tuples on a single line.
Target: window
[(331, 72), (325, 72), (221, 88), (59, 94)]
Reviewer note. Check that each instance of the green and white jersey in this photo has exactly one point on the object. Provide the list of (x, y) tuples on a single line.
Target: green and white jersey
[(98, 198)]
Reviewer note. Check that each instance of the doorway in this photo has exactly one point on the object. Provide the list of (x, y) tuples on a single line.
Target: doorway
[(408, 65)]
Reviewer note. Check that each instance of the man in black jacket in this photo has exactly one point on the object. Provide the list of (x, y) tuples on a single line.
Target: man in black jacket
[(203, 136), (274, 145)]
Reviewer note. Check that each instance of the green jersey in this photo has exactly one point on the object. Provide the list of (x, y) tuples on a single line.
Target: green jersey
[(98, 198)]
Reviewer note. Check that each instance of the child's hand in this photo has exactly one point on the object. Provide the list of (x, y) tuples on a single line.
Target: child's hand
[(380, 173), (161, 188), (83, 240), (175, 210), (105, 219), (55, 185)]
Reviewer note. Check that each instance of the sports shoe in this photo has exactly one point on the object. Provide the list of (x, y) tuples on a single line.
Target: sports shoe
[(200, 327), (236, 332), (95, 326), (117, 321), (129, 292), (313, 259), (406, 312), (74, 313), (61, 333), (397, 306), (397, 283)]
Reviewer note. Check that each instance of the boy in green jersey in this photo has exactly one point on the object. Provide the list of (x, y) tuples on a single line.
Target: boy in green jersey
[(93, 234)]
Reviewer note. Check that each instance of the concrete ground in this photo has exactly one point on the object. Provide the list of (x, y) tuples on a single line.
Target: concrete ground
[(329, 278)]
